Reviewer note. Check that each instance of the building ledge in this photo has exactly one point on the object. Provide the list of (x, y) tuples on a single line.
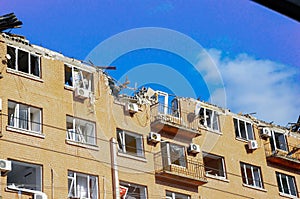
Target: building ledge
[(84, 145), (26, 132), (26, 75), (288, 196), (256, 188), (142, 159), (217, 178)]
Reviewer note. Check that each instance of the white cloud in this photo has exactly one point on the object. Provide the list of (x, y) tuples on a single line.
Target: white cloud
[(270, 89)]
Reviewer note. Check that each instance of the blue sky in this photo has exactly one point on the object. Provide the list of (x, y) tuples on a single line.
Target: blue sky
[(255, 50)]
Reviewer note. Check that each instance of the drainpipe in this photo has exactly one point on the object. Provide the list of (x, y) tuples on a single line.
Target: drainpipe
[(114, 167), (52, 183)]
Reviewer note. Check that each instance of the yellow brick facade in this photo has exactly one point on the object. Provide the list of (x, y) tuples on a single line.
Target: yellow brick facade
[(57, 155)]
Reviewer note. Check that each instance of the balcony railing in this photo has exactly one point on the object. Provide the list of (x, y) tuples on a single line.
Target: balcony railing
[(192, 172), (169, 119), (290, 158)]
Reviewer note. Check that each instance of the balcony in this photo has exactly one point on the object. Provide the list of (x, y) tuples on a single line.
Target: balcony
[(290, 158), (174, 122), (192, 173)]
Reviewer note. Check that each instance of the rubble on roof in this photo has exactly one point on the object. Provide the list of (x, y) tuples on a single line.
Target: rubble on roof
[(9, 21)]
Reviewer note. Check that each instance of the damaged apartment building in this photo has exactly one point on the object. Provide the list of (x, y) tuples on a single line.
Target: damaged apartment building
[(67, 132)]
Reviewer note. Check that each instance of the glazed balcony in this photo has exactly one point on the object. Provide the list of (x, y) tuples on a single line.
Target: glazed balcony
[(174, 122), (191, 171), (288, 158)]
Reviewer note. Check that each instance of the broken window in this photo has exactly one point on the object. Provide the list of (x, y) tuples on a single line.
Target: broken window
[(209, 118), (214, 165), (251, 175), (175, 108), (286, 184), (23, 61), (134, 191), (79, 130), (173, 195), (243, 129), (162, 102), (173, 154), (278, 141), (24, 117), (25, 175), (75, 77), (82, 185), (130, 143)]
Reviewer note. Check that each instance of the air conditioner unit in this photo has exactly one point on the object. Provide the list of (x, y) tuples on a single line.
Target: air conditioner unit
[(252, 144), (194, 148), (82, 93), (266, 132), (5, 165), (40, 196), (154, 137), (131, 107)]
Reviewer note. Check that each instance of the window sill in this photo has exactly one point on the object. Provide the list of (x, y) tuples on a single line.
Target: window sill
[(142, 159), (71, 88), (22, 74), (26, 132), (211, 130), (256, 188), (287, 196), (217, 178), (241, 139), (84, 145)]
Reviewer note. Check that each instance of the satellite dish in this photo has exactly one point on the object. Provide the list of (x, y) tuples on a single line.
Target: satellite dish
[(197, 108)]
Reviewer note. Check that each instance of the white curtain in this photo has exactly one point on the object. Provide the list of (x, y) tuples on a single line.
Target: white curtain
[(81, 186), (23, 117)]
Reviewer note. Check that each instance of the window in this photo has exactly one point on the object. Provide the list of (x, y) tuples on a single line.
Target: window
[(251, 175), (168, 105), (278, 141), (82, 186), (23, 61), (25, 176), (75, 77), (173, 154), (79, 130), (286, 184), (130, 143), (134, 191), (209, 118), (243, 129), (172, 195), (24, 117), (214, 165)]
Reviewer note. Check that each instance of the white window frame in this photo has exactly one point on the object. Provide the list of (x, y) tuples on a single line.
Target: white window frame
[(17, 49), (75, 190), (246, 129), (14, 118), (166, 155), (173, 195), (260, 185), (274, 144), (215, 157), (129, 186), (288, 178), (214, 118), (78, 134), (163, 106), (121, 137), (79, 81)]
